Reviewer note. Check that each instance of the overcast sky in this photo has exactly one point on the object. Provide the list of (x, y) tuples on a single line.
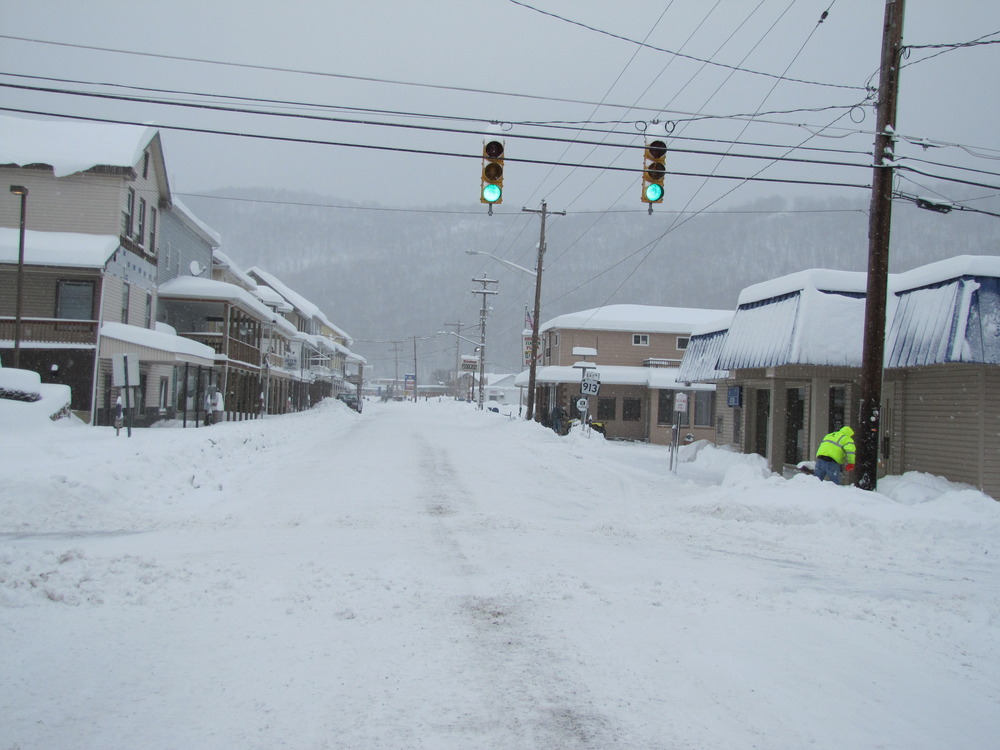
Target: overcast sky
[(469, 62)]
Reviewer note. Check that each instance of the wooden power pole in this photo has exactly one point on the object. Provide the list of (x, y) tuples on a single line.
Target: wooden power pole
[(878, 249), (533, 366)]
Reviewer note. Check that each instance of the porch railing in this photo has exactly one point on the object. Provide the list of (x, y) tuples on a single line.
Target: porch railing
[(50, 330)]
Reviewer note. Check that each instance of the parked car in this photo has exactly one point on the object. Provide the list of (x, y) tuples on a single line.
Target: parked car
[(352, 400)]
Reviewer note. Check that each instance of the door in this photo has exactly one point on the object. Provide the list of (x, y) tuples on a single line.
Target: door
[(886, 430), (762, 412), (795, 422)]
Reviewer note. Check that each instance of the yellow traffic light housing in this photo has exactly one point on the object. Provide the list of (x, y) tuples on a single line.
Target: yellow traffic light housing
[(653, 172), (491, 187)]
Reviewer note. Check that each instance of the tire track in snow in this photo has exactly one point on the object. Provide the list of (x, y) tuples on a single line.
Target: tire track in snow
[(531, 701)]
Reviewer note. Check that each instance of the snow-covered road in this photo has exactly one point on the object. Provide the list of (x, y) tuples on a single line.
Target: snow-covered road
[(429, 576)]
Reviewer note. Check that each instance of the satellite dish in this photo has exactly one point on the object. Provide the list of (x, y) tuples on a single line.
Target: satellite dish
[(196, 268)]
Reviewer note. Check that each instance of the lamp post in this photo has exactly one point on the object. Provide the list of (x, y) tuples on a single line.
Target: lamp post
[(23, 192)]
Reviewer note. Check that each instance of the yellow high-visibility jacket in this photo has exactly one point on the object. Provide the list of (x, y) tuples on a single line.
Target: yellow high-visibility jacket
[(838, 446)]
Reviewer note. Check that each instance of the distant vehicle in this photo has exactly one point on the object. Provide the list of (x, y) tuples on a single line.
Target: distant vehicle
[(352, 400)]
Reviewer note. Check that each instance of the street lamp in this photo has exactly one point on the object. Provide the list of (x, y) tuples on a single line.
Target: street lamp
[(23, 192), (528, 271), (537, 275)]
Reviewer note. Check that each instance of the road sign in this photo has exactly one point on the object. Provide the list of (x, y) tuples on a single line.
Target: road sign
[(590, 385), (581, 405)]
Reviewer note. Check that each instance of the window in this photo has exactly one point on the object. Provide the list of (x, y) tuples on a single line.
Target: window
[(631, 409), (703, 401), (640, 339), (75, 300), (141, 233), (606, 408), (152, 231), (129, 213), (682, 342), (665, 407), (149, 309), (145, 165), (126, 293), (838, 407)]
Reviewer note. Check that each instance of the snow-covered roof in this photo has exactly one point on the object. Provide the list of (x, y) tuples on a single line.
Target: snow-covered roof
[(198, 288), (200, 228), (954, 321), (948, 311), (272, 299), (307, 308), (219, 258), (945, 270), (161, 339), (702, 356), (67, 249), (664, 378), (70, 147), (806, 327), (846, 282), (637, 318)]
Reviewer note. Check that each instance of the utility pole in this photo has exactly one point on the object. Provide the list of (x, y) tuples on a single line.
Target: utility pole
[(533, 367), (458, 360), (414, 369), (482, 330), (878, 249), (395, 379)]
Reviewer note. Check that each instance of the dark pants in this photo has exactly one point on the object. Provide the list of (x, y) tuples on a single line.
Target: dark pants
[(827, 469)]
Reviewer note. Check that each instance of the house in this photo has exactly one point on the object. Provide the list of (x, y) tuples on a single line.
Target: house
[(636, 350), (94, 198), (789, 360), (941, 395), (113, 266), (324, 350)]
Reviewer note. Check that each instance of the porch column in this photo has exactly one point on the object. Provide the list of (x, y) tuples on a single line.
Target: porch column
[(779, 426), (819, 414)]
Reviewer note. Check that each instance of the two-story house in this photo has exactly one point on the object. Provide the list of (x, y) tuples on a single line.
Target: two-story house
[(94, 197), (637, 350)]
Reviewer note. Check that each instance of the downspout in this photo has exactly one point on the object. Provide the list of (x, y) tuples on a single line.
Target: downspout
[(97, 351)]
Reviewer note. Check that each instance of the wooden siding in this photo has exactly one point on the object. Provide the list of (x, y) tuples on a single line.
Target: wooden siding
[(85, 203), (615, 348), (90, 202), (947, 417), (40, 284), (991, 432)]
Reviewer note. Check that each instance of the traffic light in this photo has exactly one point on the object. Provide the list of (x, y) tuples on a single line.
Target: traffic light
[(491, 188), (653, 172)]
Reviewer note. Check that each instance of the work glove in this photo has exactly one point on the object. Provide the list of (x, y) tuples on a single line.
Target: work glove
[(849, 467)]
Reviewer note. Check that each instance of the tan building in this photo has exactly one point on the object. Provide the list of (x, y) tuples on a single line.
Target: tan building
[(788, 368), (636, 350)]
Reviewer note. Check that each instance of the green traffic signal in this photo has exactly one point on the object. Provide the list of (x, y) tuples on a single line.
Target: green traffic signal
[(492, 193), (654, 192)]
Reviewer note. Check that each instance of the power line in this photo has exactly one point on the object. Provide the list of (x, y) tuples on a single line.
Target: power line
[(680, 54), (344, 76), (428, 152), (375, 123)]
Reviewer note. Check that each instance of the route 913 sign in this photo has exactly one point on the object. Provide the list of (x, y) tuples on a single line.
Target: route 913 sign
[(590, 385)]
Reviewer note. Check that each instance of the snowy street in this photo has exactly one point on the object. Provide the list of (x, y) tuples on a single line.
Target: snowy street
[(430, 576)]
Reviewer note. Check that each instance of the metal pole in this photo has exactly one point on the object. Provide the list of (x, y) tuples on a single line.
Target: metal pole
[(21, 191), (878, 249), (533, 367)]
